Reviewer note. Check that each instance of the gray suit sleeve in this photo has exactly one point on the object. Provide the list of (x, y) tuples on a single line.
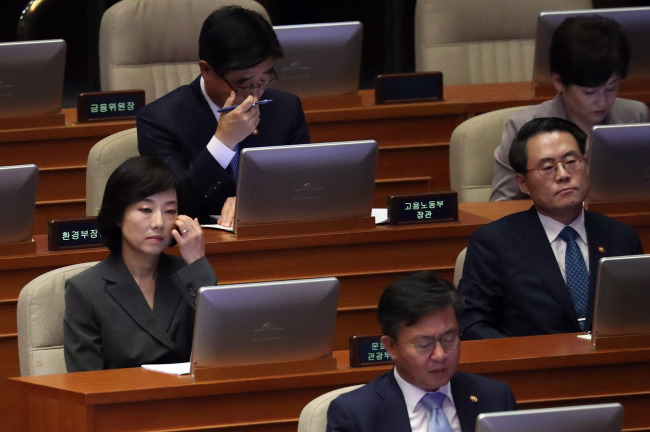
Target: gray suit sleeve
[(82, 344), (194, 276)]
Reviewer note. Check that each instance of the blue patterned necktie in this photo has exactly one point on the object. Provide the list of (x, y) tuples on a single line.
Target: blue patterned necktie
[(577, 276), (234, 163), (437, 420)]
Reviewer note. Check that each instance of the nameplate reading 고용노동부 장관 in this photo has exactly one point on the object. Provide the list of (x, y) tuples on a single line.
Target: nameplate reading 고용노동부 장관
[(423, 208)]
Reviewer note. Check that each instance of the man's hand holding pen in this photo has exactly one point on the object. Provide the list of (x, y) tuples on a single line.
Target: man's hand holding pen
[(237, 123)]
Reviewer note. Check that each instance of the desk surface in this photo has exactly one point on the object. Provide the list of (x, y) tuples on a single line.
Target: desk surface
[(543, 371)]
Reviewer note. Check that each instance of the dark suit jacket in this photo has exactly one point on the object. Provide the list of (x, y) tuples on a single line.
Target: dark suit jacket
[(380, 406), (513, 285), (178, 126), (108, 323)]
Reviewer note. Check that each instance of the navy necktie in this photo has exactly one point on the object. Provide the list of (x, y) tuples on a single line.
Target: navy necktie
[(577, 276), (437, 420), (234, 163)]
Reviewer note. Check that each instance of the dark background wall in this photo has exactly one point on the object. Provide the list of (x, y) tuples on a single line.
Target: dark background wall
[(387, 48)]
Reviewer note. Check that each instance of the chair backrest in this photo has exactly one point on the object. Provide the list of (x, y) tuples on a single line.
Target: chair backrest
[(471, 154), (40, 312), (481, 41), (458, 269), (313, 417), (103, 158), (154, 44)]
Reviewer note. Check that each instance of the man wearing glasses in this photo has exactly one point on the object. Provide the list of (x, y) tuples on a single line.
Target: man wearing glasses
[(189, 130), (423, 393), (534, 272)]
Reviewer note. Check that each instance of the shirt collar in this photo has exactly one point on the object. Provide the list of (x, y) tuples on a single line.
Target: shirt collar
[(552, 227), (213, 106), (413, 394)]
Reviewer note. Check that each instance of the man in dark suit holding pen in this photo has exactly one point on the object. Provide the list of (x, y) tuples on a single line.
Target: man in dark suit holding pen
[(534, 272), (424, 392), (186, 130)]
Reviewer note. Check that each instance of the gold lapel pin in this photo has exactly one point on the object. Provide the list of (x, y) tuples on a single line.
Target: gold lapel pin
[(601, 249), (473, 398)]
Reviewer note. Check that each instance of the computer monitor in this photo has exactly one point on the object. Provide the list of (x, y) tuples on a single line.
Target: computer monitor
[(31, 77), (635, 22), (306, 182), (264, 322), (319, 59), (582, 418), (18, 197), (619, 163), (622, 297)]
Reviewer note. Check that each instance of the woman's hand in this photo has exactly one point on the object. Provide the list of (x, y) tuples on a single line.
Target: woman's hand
[(189, 236)]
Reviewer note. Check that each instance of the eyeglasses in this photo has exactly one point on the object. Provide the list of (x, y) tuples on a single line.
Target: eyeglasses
[(571, 164), (448, 341), (246, 91)]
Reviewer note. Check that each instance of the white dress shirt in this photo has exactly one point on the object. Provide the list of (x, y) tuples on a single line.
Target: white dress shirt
[(418, 413), (553, 228)]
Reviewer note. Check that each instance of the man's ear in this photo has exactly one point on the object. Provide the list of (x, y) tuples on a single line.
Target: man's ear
[(205, 69), (521, 181), (390, 344), (557, 82)]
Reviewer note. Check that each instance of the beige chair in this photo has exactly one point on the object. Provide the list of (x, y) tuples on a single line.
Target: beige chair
[(471, 154), (480, 41), (103, 158), (458, 269), (313, 417), (154, 44), (40, 312)]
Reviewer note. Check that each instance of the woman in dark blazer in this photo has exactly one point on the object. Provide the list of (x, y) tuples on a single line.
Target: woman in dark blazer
[(137, 306)]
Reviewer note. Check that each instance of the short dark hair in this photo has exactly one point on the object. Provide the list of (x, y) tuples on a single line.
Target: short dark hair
[(587, 50), (518, 155), (234, 38), (412, 298), (134, 180)]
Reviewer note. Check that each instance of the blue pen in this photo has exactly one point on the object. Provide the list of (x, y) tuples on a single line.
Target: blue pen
[(230, 108)]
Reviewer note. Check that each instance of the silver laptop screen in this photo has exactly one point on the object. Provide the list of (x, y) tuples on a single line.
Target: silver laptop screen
[(265, 322), (31, 77), (319, 59)]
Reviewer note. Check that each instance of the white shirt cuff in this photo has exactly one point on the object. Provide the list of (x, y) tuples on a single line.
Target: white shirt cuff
[(220, 152)]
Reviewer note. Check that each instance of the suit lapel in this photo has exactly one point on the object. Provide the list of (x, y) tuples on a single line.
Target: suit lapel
[(541, 260), (167, 298), (392, 409), (466, 409), (599, 241), (122, 288)]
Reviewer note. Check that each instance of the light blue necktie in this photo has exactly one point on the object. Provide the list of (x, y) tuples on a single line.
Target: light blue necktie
[(577, 276), (234, 163), (437, 420)]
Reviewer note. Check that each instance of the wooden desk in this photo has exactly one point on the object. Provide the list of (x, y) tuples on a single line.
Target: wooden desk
[(542, 371), (413, 142), (366, 262)]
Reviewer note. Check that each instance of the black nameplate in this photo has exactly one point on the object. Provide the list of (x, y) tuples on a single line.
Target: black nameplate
[(423, 208), (109, 105), (73, 234), (408, 87), (368, 351)]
